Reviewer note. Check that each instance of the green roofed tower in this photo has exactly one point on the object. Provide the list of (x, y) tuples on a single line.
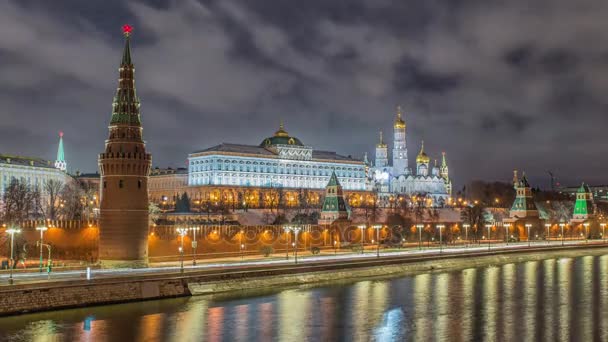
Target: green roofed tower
[(60, 161), (334, 206), (583, 207), (524, 205)]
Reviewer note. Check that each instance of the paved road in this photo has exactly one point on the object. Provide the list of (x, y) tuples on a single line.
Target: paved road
[(173, 269)]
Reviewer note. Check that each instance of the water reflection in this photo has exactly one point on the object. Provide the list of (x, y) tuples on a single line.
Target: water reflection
[(556, 299)]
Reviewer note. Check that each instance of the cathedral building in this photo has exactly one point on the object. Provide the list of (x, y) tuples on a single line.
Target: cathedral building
[(398, 178)]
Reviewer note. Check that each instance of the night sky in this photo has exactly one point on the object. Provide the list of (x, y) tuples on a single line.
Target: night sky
[(497, 85)]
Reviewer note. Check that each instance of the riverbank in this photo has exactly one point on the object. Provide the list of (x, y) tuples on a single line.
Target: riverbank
[(41, 296)]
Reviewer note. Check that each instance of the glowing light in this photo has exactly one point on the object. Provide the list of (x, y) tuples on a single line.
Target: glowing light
[(127, 29)]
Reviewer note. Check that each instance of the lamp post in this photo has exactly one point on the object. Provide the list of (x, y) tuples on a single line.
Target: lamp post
[(561, 225), (362, 227), (440, 226), (287, 239), (295, 230), (528, 225), (41, 229), (507, 228), (182, 232), (419, 227), (242, 244), (466, 233), (548, 226), (12, 231), (489, 226), (586, 225), (335, 247), (603, 225), (378, 227), (194, 244)]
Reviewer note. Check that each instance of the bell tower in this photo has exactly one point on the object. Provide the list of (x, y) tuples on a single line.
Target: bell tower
[(124, 167), (399, 145)]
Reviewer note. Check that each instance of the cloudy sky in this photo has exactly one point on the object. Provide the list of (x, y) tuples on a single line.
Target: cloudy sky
[(497, 85)]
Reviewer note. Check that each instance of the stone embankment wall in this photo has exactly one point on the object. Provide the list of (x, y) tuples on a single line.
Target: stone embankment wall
[(28, 298)]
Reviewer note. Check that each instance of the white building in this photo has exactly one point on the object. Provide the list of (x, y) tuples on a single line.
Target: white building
[(397, 177), (279, 161)]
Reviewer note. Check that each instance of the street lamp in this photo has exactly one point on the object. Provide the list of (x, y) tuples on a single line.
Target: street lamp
[(242, 244), (548, 226), (194, 244), (603, 225), (586, 225), (335, 247), (440, 226), (287, 238), (378, 227), (419, 227), (295, 230), (507, 228), (489, 226), (182, 232), (466, 233), (41, 229), (561, 225), (362, 227), (12, 231), (528, 225)]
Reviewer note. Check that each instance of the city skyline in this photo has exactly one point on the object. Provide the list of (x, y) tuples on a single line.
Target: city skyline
[(333, 78)]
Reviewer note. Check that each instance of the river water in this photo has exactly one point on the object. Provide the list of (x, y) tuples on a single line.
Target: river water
[(562, 299)]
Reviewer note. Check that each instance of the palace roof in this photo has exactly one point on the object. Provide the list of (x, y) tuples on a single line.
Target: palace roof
[(263, 152), (25, 161)]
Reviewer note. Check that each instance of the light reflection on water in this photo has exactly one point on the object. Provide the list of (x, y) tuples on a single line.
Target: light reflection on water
[(555, 299)]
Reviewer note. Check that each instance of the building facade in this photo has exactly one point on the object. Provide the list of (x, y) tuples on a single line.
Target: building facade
[(124, 166), (280, 161), (398, 178), (33, 171)]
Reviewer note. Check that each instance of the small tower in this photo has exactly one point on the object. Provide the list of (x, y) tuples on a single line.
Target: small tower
[(584, 207), (60, 161), (399, 145), (334, 206), (422, 162), (124, 166), (524, 205), (444, 173), (381, 153)]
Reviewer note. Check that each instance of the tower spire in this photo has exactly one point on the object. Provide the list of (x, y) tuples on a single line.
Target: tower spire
[(125, 107), (60, 161)]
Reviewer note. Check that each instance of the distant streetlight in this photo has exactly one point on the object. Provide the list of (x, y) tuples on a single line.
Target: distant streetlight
[(440, 226), (41, 229), (561, 225), (242, 244), (507, 228), (489, 227), (603, 225), (548, 226), (194, 244), (377, 227), (419, 227), (362, 227), (466, 232), (182, 232), (335, 247), (295, 230), (12, 232), (528, 225), (586, 225)]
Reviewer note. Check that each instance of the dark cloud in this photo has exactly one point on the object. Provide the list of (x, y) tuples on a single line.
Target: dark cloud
[(497, 85)]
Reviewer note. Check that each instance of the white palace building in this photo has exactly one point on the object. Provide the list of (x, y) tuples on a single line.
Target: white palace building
[(279, 161)]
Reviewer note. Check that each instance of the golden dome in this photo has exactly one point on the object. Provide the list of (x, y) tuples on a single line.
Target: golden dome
[(399, 123), (281, 132), (422, 157)]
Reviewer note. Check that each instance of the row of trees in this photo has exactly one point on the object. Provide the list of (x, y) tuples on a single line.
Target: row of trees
[(53, 200)]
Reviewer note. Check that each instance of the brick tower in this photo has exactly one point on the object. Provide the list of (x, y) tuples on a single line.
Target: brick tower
[(124, 167)]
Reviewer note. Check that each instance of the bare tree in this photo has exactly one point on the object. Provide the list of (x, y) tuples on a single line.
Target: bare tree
[(19, 202), (72, 200), (51, 193)]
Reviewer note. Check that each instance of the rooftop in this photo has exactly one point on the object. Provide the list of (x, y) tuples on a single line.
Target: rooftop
[(263, 152), (25, 161)]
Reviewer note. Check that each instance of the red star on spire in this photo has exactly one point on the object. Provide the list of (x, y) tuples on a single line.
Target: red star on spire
[(126, 29), (60, 134)]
